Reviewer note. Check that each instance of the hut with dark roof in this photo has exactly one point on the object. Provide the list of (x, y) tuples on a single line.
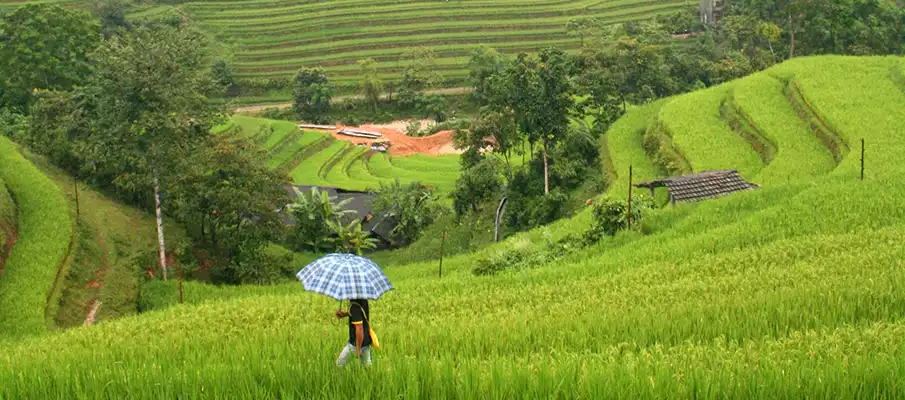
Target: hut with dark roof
[(701, 186)]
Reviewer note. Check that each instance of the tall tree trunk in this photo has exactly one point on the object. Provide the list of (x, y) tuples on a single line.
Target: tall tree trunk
[(160, 240), (203, 233), (791, 33), (546, 171)]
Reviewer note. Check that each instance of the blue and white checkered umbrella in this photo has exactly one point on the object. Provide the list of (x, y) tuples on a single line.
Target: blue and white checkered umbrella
[(345, 277)]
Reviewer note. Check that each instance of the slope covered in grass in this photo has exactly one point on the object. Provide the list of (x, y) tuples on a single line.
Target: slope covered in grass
[(625, 148), (694, 122), (7, 223), (268, 132), (102, 278), (800, 154), (313, 169), (793, 290), (45, 231)]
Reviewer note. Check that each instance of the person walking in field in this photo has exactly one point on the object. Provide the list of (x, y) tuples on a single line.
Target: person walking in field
[(356, 279), (359, 333)]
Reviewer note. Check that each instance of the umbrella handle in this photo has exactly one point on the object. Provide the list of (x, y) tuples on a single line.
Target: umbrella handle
[(335, 321)]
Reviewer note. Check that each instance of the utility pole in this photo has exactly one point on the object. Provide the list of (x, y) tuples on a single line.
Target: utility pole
[(629, 196), (442, 244)]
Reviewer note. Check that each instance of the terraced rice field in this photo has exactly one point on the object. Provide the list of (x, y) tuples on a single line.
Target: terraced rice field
[(37, 262), (316, 158), (794, 290), (273, 38), (6, 5)]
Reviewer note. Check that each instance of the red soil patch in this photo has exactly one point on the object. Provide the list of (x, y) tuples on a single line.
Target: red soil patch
[(402, 144)]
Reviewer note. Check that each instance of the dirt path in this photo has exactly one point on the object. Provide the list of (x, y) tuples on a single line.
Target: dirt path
[(95, 304), (98, 282), (340, 99)]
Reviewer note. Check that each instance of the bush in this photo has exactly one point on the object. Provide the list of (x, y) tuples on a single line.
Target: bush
[(283, 114), (611, 216), (312, 212), (412, 207), (413, 128), (450, 125), (258, 265), (531, 211), (525, 255)]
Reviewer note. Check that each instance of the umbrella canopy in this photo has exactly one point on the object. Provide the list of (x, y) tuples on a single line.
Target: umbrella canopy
[(345, 277)]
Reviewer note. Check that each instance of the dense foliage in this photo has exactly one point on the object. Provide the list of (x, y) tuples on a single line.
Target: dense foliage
[(312, 92), (411, 207), (43, 47)]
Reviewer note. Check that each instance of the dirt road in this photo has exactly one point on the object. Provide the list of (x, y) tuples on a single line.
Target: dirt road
[(254, 109)]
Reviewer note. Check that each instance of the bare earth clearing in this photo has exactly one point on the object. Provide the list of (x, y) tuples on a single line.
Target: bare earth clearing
[(403, 145)]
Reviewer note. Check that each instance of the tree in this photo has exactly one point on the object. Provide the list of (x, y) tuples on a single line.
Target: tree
[(54, 128), (419, 73), (351, 238), (477, 184), (434, 105), (311, 93), (542, 100), (223, 74), (148, 108), (583, 26), (413, 207), (494, 130), (681, 22), (233, 196), (112, 15), (371, 85), (482, 65), (751, 37), (44, 47)]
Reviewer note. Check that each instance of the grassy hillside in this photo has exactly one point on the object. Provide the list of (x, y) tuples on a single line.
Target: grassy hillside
[(32, 272), (7, 223), (793, 290), (113, 244), (273, 38), (72, 264)]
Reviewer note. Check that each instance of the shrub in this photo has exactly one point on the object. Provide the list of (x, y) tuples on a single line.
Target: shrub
[(312, 212), (413, 128), (535, 210), (611, 216), (524, 255), (413, 207)]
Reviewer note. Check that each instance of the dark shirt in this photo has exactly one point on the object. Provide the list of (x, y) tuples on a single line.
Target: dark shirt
[(359, 314)]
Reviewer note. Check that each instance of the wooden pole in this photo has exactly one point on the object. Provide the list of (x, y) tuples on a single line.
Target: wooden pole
[(75, 185), (180, 283), (862, 159), (629, 196), (442, 243)]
